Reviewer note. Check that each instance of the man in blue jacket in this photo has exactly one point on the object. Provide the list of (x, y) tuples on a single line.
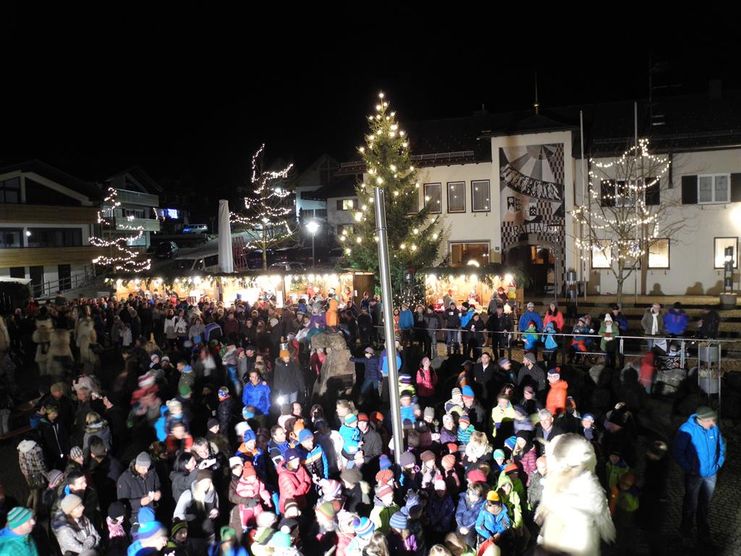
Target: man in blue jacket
[(257, 393), (676, 320), (372, 374), (700, 450), (530, 316)]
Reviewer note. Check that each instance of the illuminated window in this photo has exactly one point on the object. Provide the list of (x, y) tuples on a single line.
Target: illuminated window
[(602, 255), (469, 254), (658, 253), (434, 197), (347, 204), (480, 196), (720, 251), (457, 196)]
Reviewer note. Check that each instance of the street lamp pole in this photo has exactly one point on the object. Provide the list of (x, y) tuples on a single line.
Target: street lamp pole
[(313, 227)]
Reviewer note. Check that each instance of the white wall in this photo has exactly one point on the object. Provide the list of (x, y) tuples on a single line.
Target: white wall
[(691, 255), (334, 216), (307, 204), (466, 226)]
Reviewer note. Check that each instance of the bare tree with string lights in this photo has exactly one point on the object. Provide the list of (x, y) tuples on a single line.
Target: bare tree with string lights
[(268, 209), (626, 215), (121, 256)]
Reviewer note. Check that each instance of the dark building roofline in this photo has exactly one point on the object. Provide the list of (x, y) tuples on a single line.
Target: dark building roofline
[(88, 189)]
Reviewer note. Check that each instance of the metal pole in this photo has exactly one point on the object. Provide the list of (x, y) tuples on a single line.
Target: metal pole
[(388, 320), (313, 258)]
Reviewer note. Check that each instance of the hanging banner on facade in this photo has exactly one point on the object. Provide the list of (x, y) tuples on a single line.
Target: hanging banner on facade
[(532, 196)]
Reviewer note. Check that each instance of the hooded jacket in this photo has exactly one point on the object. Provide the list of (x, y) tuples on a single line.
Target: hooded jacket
[(699, 451), (16, 545)]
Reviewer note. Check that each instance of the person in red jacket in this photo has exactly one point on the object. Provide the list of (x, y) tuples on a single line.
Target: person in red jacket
[(294, 482), (556, 400), (555, 316), (426, 381)]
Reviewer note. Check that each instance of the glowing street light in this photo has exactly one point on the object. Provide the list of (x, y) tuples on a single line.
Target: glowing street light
[(312, 227)]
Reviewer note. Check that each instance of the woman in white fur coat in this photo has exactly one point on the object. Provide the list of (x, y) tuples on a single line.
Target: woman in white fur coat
[(85, 337), (573, 513)]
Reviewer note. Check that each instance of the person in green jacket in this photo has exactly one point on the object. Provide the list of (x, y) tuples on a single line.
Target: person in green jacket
[(15, 538)]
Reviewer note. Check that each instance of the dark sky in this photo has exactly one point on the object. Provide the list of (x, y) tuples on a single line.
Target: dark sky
[(189, 91)]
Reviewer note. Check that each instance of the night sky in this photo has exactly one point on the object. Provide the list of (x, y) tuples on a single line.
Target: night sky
[(189, 91)]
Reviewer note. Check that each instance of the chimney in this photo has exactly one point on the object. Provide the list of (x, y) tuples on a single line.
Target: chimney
[(715, 89)]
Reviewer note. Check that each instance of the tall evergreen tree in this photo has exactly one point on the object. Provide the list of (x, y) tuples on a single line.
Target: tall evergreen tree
[(413, 234)]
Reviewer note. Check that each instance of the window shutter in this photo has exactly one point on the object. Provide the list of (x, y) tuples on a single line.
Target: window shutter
[(607, 193), (689, 190), (736, 188), (653, 192)]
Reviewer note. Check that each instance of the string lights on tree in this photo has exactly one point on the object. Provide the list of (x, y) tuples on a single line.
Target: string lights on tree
[(625, 213), (122, 257), (413, 233), (268, 209)]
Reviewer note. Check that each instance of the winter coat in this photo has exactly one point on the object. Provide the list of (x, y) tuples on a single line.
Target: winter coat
[(132, 487), (607, 342), (488, 524), (31, 462), (41, 337), (699, 451), (372, 366), (556, 400), (74, 536), (189, 510), (380, 516), (257, 396), (372, 444), (452, 319), (440, 512), (385, 363), (426, 382), (500, 417), (647, 322), (534, 376), (465, 514), (528, 317), (225, 414), (181, 482), (54, 440), (86, 336), (293, 485), (406, 320), (556, 319), (16, 545), (288, 378), (675, 322)]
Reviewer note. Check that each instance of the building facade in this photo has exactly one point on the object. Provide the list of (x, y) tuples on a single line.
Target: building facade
[(46, 220), (505, 185)]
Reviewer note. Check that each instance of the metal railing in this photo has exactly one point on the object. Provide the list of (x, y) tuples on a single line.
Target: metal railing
[(50, 288)]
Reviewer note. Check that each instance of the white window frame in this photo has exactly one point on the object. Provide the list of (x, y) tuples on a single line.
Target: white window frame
[(487, 185), (655, 243), (427, 200), (450, 193), (471, 242), (720, 255), (604, 253), (714, 201)]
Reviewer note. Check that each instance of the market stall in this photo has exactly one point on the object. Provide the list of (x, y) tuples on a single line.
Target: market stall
[(472, 285), (281, 288)]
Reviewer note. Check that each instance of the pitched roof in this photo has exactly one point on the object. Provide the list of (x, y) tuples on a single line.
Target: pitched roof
[(86, 188), (343, 186)]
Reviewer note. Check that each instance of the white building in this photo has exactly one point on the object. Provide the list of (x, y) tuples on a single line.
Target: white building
[(46, 220), (505, 184), (139, 197)]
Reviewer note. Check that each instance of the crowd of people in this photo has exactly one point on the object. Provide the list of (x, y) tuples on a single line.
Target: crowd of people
[(184, 427)]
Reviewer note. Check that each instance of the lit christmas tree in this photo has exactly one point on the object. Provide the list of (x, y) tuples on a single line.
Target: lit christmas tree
[(121, 257), (267, 210), (413, 234)]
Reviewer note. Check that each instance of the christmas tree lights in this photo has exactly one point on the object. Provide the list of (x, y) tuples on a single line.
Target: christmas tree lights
[(122, 257), (267, 209)]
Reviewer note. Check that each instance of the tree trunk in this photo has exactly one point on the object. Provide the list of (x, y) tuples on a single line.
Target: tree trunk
[(264, 250)]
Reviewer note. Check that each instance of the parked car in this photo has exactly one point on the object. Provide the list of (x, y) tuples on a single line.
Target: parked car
[(167, 250), (195, 229), (289, 266)]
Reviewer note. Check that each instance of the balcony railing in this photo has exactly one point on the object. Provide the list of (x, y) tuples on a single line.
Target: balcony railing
[(127, 197), (124, 223), (38, 256)]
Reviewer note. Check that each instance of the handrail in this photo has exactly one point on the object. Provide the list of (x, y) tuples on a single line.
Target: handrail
[(51, 287)]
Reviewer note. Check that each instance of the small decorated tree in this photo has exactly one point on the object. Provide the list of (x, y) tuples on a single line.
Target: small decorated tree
[(267, 210), (121, 257)]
